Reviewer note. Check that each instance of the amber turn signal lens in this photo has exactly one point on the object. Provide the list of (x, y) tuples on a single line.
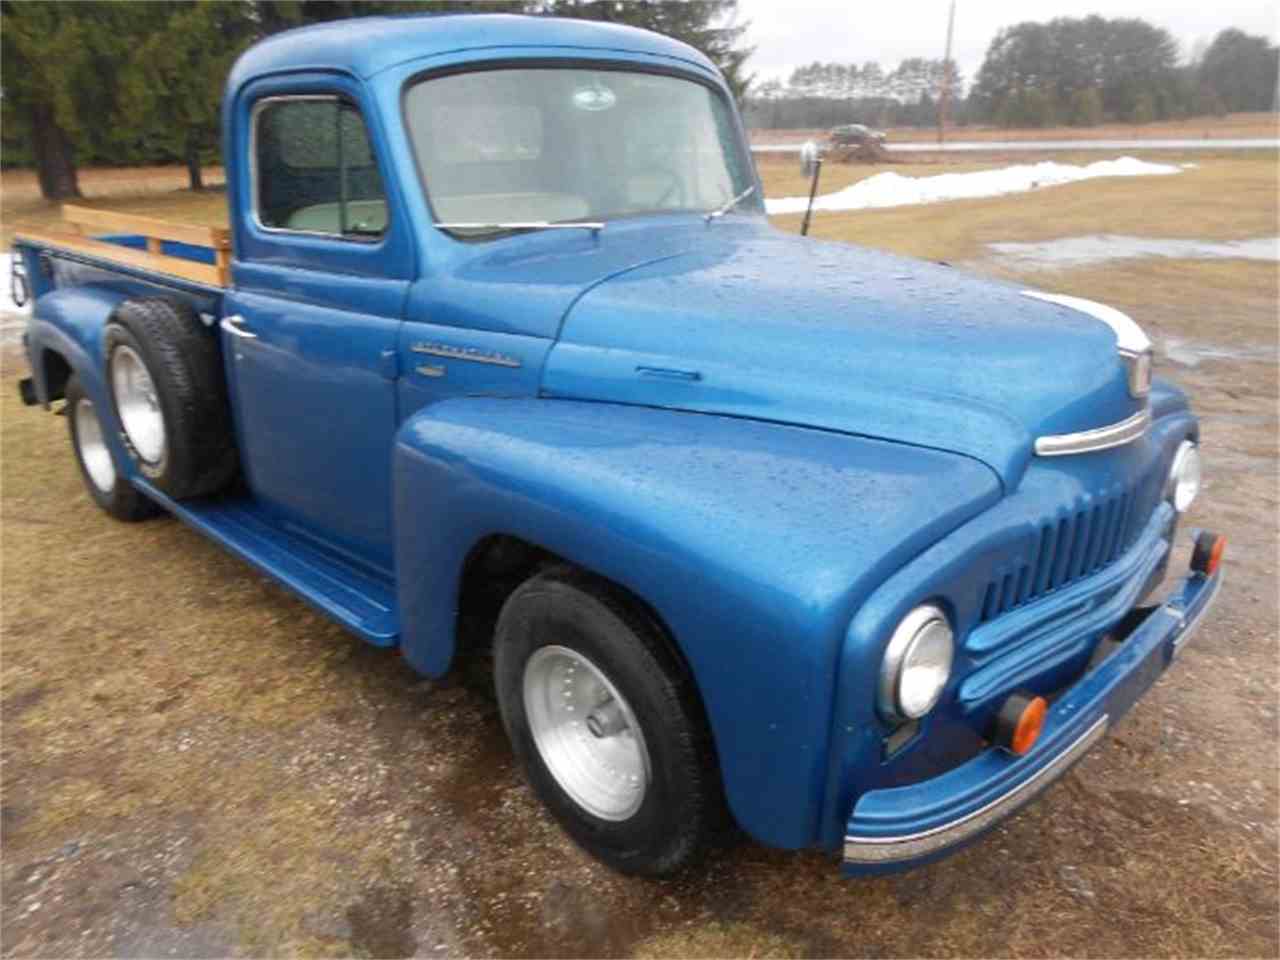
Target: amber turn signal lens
[(1018, 722), (1030, 723), (1208, 553)]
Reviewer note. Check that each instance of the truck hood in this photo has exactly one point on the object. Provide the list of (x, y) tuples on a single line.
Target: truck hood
[(751, 322)]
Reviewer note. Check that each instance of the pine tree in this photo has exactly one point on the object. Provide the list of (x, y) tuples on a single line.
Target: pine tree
[(174, 82), (59, 65), (1086, 107), (708, 25)]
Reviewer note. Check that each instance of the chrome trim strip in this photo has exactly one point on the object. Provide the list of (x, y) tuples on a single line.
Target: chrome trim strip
[(1129, 336), (595, 226), (908, 846), (1088, 441), (1189, 627), (475, 354)]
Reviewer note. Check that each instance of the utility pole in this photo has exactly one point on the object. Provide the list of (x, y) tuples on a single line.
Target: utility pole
[(944, 101)]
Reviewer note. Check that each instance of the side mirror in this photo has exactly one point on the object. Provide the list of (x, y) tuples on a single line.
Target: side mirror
[(810, 157), (810, 166)]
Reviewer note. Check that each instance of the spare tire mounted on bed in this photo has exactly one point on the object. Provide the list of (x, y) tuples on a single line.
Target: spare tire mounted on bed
[(165, 379)]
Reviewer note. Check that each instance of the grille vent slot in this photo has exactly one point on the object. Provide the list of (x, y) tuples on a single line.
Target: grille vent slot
[(1066, 548)]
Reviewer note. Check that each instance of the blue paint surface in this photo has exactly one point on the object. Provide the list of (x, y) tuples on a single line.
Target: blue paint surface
[(779, 446)]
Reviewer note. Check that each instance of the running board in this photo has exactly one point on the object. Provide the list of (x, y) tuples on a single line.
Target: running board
[(361, 602)]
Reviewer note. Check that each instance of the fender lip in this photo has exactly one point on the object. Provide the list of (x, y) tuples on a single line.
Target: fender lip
[(1100, 438)]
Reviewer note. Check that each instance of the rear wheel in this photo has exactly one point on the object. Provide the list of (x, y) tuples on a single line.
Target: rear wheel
[(109, 490), (606, 723), (164, 372)]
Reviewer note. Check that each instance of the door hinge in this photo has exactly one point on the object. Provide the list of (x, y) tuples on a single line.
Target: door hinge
[(389, 364)]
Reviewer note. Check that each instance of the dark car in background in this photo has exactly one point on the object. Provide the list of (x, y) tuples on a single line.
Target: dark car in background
[(855, 135)]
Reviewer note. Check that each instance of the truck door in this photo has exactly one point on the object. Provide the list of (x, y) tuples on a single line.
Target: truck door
[(321, 269)]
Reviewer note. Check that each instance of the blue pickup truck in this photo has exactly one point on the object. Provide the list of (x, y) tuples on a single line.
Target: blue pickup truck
[(500, 356)]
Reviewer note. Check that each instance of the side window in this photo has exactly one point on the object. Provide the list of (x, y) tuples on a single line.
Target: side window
[(315, 170)]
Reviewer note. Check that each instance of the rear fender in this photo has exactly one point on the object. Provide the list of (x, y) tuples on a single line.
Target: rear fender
[(69, 321), (752, 542)]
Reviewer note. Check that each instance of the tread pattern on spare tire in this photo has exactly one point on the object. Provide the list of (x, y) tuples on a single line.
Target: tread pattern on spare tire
[(185, 362)]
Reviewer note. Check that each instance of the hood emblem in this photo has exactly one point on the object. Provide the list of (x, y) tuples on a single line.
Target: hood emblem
[(474, 354)]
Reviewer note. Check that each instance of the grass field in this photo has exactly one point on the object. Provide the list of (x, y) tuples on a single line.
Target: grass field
[(155, 191), (197, 764)]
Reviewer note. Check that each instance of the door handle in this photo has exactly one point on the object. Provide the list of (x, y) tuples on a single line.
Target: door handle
[(232, 323)]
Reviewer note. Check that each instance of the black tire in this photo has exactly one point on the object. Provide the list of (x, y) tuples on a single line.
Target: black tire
[(184, 362), (683, 805), (121, 499)]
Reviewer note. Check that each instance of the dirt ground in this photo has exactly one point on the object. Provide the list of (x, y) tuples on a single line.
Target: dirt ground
[(196, 764)]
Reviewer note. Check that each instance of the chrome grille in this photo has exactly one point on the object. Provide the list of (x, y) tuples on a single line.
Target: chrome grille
[(1073, 544)]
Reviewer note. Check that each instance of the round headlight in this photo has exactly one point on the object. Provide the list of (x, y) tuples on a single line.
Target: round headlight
[(1184, 476), (917, 664)]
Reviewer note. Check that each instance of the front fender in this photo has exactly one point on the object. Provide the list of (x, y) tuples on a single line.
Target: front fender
[(753, 542)]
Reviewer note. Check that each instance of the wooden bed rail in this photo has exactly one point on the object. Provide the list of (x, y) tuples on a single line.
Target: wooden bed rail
[(75, 236)]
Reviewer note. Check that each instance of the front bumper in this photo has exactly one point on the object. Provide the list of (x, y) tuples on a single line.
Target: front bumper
[(900, 827)]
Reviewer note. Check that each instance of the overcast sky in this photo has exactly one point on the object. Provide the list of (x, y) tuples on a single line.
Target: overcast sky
[(790, 33)]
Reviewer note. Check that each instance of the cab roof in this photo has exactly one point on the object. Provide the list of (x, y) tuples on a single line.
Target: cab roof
[(365, 46)]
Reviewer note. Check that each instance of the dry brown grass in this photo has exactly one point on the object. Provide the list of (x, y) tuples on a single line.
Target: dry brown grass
[(154, 191), (1224, 198)]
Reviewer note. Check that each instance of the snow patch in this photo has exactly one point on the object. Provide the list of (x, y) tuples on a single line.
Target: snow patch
[(895, 190), (1106, 247)]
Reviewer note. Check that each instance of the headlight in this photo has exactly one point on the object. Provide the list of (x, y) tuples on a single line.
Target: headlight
[(917, 664), (1184, 476)]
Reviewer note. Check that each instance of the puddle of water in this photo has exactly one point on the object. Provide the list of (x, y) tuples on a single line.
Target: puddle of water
[(1190, 354), (1104, 247)]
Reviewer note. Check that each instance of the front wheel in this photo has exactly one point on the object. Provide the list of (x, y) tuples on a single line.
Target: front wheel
[(606, 724)]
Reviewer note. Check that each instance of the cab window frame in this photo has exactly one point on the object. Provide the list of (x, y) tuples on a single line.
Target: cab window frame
[(258, 108)]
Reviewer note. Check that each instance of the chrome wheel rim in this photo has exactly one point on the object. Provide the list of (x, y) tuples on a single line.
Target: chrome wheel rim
[(585, 733), (137, 404), (93, 449)]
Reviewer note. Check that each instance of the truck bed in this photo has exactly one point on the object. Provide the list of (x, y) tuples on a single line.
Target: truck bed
[(190, 252)]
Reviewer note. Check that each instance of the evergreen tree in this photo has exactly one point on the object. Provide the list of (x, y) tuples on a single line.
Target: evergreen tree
[(1239, 70), (59, 67), (1122, 59), (1144, 109), (708, 25), (175, 79), (1086, 107)]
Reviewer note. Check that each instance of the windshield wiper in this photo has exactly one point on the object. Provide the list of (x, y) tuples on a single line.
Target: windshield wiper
[(593, 226), (729, 204)]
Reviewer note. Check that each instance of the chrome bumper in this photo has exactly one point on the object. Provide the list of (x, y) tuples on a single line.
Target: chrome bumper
[(903, 826)]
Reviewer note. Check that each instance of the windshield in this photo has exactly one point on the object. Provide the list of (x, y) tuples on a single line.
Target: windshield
[(559, 145)]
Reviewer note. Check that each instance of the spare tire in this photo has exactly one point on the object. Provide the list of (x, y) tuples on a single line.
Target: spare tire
[(168, 389)]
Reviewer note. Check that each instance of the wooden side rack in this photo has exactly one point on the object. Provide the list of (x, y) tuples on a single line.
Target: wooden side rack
[(80, 222)]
